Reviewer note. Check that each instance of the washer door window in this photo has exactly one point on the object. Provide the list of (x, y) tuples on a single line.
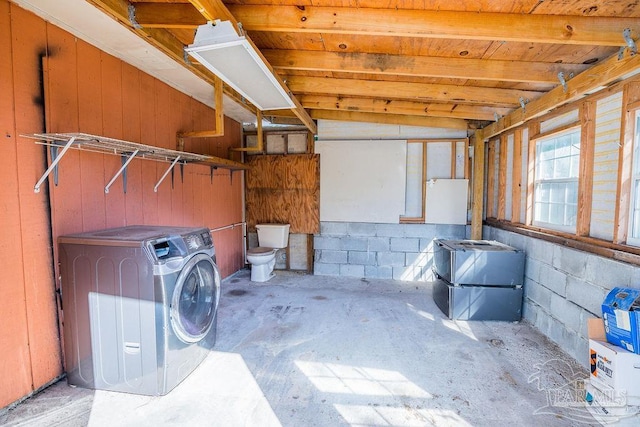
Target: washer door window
[(195, 299)]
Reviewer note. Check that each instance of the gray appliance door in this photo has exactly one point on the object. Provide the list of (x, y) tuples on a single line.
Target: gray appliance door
[(195, 299), (478, 302)]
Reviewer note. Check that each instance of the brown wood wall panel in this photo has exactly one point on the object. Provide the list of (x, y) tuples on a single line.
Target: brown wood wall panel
[(86, 90), (15, 369), (90, 118), (44, 344), (284, 189), (62, 113), (112, 126), (148, 136)]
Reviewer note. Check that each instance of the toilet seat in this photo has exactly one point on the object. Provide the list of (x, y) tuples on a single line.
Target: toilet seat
[(260, 251)]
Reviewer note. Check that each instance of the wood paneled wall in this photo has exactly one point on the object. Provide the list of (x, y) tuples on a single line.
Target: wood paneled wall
[(284, 190), (87, 90)]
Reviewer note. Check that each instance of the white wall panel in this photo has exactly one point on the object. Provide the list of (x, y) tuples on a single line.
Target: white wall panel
[(559, 121), (413, 196), (605, 166), (460, 158), (525, 174), (362, 181), (438, 160)]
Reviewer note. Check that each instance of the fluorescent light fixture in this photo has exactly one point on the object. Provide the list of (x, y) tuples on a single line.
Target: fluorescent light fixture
[(232, 58)]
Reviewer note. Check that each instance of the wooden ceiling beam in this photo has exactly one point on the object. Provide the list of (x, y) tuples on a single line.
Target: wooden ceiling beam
[(215, 9), (419, 66), (579, 30), (409, 91), (167, 15), (411, 108), (395, 119), (594, 79)]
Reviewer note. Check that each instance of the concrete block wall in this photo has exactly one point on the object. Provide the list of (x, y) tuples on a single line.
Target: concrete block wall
[(564, 287), (382, 251)]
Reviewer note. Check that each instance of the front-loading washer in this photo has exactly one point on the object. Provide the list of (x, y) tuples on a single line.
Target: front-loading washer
[(139, 306)]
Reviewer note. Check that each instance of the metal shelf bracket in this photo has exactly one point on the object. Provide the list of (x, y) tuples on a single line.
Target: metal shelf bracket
[(164, 175), (123, 171), (211, 170), (53, 165)]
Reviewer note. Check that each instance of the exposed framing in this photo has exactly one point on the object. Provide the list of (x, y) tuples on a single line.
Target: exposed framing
[(491, 183), (502, 176), (587, 114), (516, 178), (534, 129), (425, 143), (616, 248), (630, 103)]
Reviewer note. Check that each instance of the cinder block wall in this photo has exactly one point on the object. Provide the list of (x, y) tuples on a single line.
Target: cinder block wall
[(564, 287), (384, 251)]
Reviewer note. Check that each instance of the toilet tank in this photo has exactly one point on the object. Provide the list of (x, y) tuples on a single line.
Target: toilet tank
[(273, 235)]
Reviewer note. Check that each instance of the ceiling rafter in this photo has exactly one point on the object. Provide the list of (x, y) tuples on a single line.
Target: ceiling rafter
[(396, 119), (215, 9), (419, 66), (409, 91), (390, 106), (168, 15), (561, 29)]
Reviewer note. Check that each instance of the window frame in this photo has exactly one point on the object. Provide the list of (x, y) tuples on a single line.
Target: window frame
[(634, 179), (552, 135)]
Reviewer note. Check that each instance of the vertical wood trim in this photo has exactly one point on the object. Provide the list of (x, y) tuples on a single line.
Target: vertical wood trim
[(310, 143), (219, 111), (630, 93), (502, 177), (491, 179), (454, 154), (260, 132), (424, 180), (534, 129), (585, 178), (467, 171), (466, 159), (310, 253), (478, 186), (516, 180)]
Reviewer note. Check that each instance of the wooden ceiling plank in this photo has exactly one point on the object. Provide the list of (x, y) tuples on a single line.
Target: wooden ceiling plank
[(409, 91), (215, 9), (396, 119), (422, 66), (388, 106), (561, 29), (167, 15), (590, 81)]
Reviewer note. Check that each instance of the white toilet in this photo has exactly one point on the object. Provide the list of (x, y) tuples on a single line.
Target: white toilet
[(271, 237)]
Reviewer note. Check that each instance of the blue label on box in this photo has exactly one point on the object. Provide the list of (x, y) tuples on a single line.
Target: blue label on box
[(621, 315)]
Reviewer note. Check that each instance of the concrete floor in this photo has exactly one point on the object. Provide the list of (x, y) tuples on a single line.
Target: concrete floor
[(305, 350)]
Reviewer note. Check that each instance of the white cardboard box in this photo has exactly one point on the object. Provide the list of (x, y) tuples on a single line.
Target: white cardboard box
[(613, 367)]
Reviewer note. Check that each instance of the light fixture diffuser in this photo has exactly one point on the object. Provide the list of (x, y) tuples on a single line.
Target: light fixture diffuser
[(231, 57)]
